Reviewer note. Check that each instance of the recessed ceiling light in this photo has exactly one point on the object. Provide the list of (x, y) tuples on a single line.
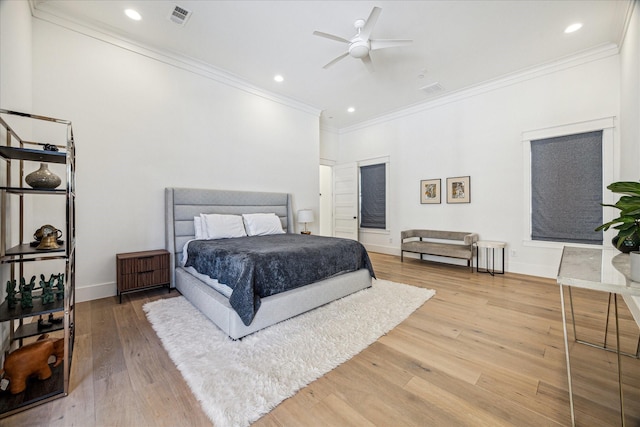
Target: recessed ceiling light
[(278, 78), (573, 28), (133, 14), (351, 109)]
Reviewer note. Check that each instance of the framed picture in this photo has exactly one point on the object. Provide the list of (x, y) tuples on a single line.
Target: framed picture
[(430, 191), (459, 189)]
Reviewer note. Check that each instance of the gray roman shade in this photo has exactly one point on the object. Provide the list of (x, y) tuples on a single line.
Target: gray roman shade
[(373, 188), (566, 188)]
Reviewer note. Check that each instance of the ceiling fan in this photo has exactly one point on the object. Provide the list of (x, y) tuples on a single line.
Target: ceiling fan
[(360, 45)]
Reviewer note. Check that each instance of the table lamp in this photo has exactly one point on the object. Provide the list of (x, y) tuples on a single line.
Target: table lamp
[(305, 216)]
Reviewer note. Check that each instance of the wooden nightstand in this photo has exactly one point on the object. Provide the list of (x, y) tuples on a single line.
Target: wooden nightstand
[(142, 270)]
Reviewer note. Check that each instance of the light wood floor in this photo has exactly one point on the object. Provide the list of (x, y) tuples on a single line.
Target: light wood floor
[(484, 351)]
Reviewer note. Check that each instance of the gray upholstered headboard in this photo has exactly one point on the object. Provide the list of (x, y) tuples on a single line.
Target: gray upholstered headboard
[(182, 204)]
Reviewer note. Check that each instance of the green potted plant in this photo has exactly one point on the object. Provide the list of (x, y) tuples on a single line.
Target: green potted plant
[(628, 223)]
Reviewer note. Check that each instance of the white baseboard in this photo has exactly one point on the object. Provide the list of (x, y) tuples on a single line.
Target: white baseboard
[(104, 290), (532, 269), (387, 250), (510, 265), (91, 292)]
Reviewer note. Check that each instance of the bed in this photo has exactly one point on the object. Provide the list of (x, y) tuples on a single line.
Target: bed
[(183, 204)]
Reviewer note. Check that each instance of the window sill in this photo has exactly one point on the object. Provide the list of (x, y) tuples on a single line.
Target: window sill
[(557, 245), (374, 231)]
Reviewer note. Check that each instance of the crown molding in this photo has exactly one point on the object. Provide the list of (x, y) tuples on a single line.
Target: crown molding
[(599, 52), (167, 57)]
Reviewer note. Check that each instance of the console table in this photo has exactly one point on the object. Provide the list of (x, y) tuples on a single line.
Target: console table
[(605, 270)]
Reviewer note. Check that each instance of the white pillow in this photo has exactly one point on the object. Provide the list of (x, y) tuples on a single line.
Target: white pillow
[(197, 225), (222, 226), (262, 224)]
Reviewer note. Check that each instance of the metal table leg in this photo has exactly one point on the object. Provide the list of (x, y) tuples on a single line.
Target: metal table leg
[(566, 353), (566, 348)]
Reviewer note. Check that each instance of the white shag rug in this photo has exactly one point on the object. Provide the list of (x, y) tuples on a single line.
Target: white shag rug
[(237, 382)]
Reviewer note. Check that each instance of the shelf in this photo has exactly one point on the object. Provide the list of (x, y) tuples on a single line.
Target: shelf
[(21, 329), (31, 330), (37, 391), (26, 250), (38, 308), (28, 190), (33, 155)]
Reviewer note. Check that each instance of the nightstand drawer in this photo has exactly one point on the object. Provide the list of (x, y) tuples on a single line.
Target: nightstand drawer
[(144, 264), (143, 279)]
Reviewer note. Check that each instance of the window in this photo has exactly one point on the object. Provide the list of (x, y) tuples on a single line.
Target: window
[(373, 196), (566, 188)]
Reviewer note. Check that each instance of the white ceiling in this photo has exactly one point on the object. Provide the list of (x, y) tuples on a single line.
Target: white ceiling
[(458, 44)]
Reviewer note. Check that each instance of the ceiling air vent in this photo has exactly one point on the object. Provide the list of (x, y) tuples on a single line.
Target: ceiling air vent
[(179, 15), (432, 88)]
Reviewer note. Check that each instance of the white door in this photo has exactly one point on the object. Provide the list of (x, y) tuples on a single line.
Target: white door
[(345, 201), (326, 200)]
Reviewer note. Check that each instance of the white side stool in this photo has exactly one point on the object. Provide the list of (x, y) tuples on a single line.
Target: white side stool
[(493, 245)]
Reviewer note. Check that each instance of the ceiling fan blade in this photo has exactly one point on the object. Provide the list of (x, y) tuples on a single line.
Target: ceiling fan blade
[(371, 22), (336, 60), (331, 37), (367, 62), (382, 44)]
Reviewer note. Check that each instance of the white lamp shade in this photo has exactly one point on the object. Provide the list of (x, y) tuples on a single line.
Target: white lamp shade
[(305, 216)]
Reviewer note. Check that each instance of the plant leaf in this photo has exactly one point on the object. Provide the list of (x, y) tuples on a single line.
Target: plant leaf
[(631, 188)]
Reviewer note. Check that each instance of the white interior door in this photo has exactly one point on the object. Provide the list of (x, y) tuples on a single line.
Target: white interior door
[(345, 201), (326, 200)]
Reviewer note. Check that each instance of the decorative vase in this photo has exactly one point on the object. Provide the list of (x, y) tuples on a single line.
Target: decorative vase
[(43, 178), (634, 263), (631, 243)]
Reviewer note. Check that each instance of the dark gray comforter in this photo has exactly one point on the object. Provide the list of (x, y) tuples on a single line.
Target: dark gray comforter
[(260, 266)]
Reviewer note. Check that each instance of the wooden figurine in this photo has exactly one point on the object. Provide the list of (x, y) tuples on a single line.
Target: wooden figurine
[(31, 360)]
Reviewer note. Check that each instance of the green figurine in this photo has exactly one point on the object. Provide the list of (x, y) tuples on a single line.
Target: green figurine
[(60, 287), (11, 293), (47, 289), (26, 289)]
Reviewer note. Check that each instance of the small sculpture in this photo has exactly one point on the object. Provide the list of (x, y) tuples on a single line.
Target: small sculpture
[(60, 287), (52, 290), (31, 360), (12, 301), (26, 296), (47, 289)]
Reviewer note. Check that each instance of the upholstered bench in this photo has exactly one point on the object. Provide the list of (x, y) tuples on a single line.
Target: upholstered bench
[(452, 244)]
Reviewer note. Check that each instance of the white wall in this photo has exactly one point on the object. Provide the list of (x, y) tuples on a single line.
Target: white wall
[(15, 94), (142, 124), (478, 133), (630, 100), (15, 55)]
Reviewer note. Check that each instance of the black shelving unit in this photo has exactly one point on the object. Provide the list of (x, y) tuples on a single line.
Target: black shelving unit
[(17, 154)]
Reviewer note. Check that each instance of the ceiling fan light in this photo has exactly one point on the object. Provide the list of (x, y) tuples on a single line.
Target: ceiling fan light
[(359, 49)]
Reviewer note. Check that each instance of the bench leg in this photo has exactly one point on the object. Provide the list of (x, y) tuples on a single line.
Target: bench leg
[(401, 256)]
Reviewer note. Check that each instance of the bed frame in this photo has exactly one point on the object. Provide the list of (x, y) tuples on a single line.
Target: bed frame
[(182, 204)]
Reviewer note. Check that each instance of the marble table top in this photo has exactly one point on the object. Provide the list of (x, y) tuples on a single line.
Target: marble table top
[(604, 270)]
